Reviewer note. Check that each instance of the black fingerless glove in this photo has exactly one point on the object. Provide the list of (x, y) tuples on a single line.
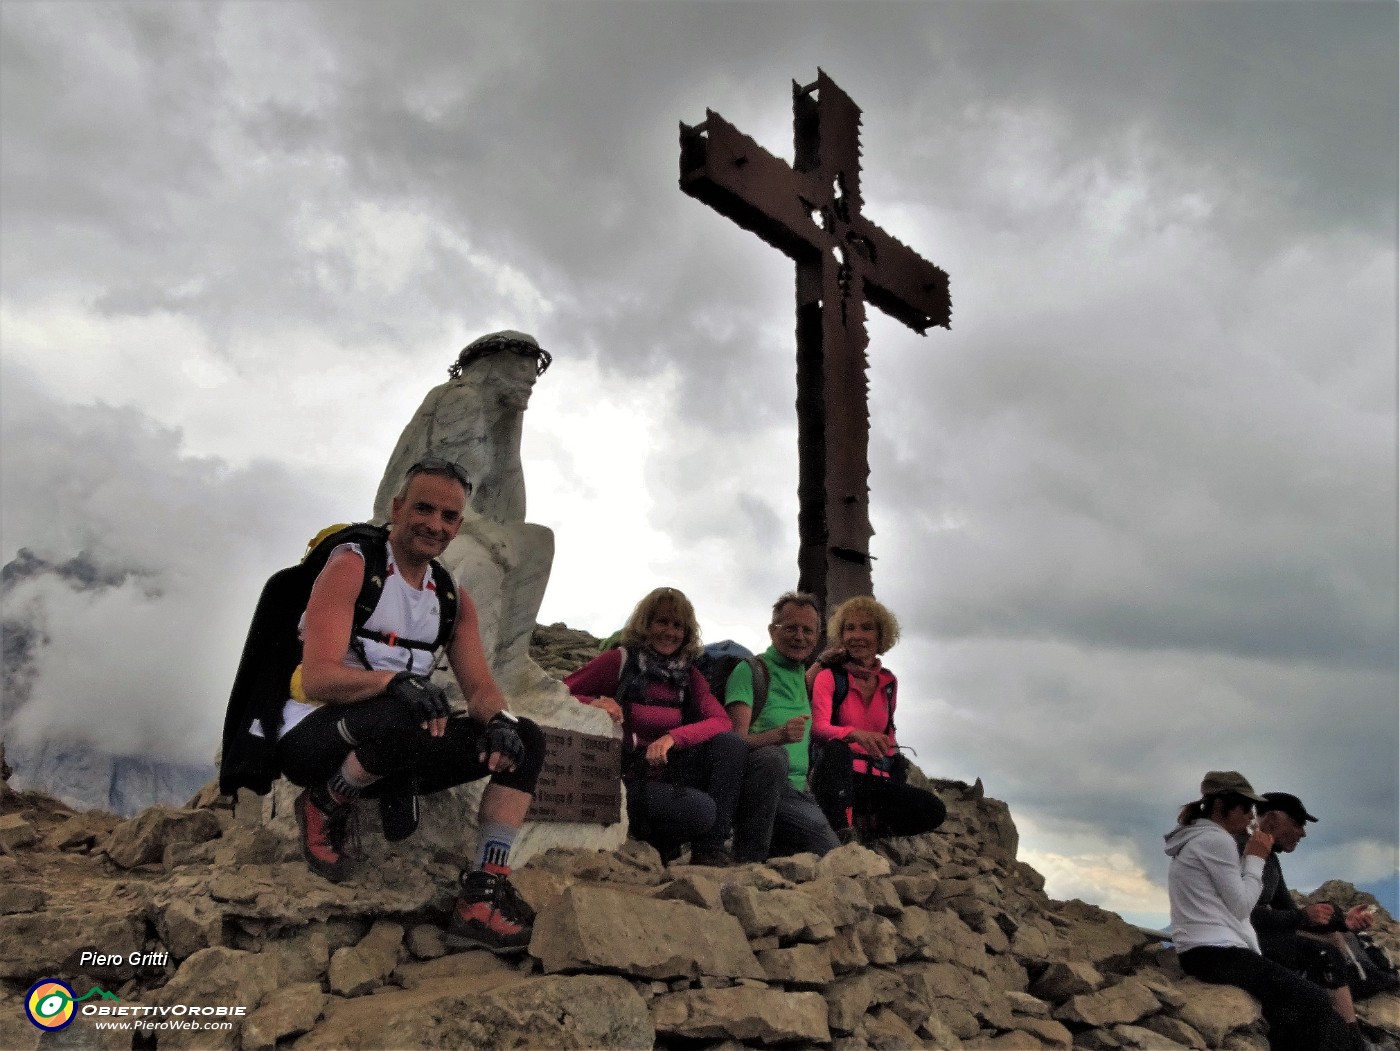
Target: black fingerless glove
[(425, 698), (501, 736)]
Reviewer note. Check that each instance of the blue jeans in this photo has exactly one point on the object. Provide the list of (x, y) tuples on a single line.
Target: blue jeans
[(693, 802), (773, 818)]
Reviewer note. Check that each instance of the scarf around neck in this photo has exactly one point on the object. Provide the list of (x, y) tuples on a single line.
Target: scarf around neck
[(864, 678), (674, 670)]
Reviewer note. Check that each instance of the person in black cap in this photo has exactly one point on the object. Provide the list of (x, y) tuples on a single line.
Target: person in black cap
[(1212, 889), (1309, 939)]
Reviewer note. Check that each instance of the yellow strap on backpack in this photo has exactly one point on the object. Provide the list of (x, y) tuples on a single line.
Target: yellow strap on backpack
[(315, 541)]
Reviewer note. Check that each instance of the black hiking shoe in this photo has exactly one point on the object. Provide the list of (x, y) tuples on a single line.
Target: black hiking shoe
[(490, 914), (329, 834), (715, 857)]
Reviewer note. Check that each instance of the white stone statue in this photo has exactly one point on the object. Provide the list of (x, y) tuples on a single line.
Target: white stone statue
[(502, 561)]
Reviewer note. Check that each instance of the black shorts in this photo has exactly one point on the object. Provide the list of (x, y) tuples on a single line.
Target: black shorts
[(387, 740)]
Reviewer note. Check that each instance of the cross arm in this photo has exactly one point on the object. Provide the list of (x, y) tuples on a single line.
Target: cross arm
[(901, 282), (738, 178)]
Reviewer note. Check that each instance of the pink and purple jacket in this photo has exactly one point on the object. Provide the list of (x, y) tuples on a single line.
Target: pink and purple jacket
[(598, 678), (855, 713)]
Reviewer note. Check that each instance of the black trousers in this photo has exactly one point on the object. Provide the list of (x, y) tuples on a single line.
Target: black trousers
[(386, 738), (888, 807), (1300, 1015)]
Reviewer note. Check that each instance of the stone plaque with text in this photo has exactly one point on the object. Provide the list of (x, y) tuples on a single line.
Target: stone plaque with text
[(581, 779)]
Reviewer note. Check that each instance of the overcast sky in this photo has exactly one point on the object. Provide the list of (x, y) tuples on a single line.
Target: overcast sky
[(1136, 510)]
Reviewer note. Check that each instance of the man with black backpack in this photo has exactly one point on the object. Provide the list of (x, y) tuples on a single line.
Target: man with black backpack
[(364, 718), (772, 713)]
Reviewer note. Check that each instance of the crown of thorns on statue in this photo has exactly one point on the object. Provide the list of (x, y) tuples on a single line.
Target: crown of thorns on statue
[(511, 342)]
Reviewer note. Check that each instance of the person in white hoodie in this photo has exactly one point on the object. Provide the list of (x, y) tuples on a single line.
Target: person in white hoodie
[(1212, 889)]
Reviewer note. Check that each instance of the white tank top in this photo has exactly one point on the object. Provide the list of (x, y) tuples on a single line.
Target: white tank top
[(412, 613)]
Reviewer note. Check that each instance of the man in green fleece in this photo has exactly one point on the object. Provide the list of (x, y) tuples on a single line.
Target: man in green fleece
[(776, 815)]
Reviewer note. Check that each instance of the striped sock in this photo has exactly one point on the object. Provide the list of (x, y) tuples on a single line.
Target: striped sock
[(345, 787), (493, 848)]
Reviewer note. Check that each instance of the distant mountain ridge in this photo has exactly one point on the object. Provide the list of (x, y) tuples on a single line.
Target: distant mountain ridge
[(78, 773)]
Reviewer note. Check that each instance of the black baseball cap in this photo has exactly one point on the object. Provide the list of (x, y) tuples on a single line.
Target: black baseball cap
[(1289, 804)]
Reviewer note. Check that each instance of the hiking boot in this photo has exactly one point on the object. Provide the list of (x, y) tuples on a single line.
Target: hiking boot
[(329, 834), (716, 857), (490, 914)]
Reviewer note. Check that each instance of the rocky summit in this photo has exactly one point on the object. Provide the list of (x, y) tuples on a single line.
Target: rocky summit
[(939, 941)]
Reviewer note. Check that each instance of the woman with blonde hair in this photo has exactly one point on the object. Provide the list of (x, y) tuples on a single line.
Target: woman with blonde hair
[(682, 764), (860, 775)]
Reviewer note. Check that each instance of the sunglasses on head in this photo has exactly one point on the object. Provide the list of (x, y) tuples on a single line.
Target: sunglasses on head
[(440, 465)]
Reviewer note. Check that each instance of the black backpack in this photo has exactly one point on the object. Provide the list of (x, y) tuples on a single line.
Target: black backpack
[(829, 773), (273, 648), (718, 662)]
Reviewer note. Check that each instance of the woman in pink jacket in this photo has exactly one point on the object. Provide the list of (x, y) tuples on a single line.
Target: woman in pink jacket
[(860, 774), (682, 762)]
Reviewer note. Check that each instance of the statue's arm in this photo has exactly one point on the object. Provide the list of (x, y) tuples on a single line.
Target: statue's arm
[(468, 660)]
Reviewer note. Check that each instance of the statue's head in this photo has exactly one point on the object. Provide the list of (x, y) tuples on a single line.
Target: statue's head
[(509, 360)]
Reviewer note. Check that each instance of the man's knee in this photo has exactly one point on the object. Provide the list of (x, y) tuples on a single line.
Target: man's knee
[(527, 771), (383, 734), (728, 748), (767, 764)]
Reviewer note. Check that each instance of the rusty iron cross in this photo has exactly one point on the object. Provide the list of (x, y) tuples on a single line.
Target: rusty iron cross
[(811, 211)]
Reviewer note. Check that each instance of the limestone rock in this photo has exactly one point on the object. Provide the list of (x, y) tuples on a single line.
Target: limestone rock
[(881, 894), (1245, 1041), (81, 831), (1123, 1003), (1217, 1010), (845, 898), (798, 868), (848, 998), (594, 927), (800, 965), (358, 969), (852, 859), (16, 898), (556, 1012), (1026, 1004), (916, 889), (1061, 980), (1101, 937), (845, 951), (1175, 1030), (1383, 1012), (143, 839), (425, 942), (15, 832), (789, 914), (36, 944), (886, 1030), (289, 1011), (878, 939), (540, 887), (187, 925), (303, 956), (768, 1016), (1134, 1036), (479, 970), (1049, 1032), (695, 889)]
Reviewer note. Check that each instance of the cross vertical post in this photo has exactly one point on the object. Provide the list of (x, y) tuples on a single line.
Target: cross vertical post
[(812, 211)]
